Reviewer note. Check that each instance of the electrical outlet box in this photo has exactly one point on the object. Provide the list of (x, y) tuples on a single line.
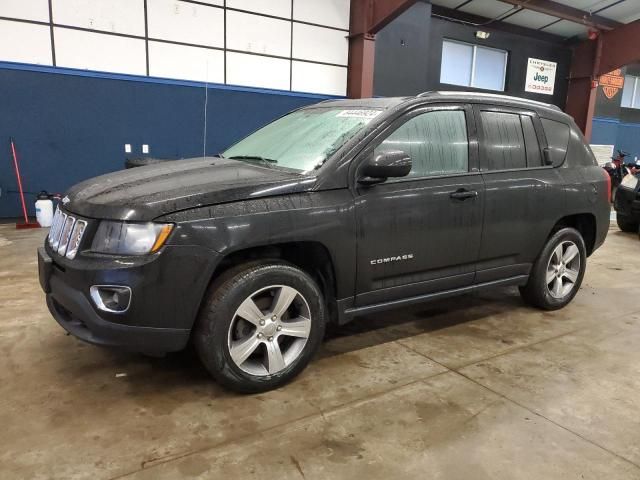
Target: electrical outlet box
[(145, 148), (127, 148)]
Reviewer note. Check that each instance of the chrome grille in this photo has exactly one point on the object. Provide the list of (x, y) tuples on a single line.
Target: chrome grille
[(66, 234)]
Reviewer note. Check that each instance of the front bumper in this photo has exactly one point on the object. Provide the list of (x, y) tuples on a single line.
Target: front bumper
[(167, 289), (627, 203)]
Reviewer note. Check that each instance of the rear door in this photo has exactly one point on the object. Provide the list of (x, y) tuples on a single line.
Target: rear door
[(421, 233), (519, 204)]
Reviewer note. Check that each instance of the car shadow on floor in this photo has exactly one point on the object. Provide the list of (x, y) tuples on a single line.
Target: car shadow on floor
[(147, 375)]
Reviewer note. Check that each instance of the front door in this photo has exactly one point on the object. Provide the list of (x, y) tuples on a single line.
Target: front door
[(421, 233)]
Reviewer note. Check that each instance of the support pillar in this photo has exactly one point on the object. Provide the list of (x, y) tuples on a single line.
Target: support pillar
[(362, 49)]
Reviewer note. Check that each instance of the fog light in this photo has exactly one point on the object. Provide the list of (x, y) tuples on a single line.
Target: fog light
[(111, 298)]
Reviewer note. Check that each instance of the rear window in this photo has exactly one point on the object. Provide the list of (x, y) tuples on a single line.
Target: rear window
[(557, 134), (503, 140)]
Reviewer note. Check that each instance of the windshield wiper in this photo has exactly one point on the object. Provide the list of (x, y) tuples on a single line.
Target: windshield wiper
[(254, 158)]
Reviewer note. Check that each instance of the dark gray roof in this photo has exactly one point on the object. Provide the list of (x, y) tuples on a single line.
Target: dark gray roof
[(444, 96), (383, 103)]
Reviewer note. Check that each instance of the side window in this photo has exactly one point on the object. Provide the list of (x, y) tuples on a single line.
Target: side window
[(436, 141), (557, 134), (503, 140), (534, 159)]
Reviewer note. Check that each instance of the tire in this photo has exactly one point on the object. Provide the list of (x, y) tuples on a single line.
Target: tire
[(241, 351), (542, 289), (626, 224)]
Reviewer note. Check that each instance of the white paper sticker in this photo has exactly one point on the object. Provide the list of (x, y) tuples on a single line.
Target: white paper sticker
[(368, 114)]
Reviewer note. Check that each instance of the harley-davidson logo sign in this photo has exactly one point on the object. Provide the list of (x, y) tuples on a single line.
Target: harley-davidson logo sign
[(611, 82)]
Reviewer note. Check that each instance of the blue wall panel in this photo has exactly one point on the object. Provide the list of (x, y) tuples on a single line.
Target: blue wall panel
[(611, 131), (69, 127)]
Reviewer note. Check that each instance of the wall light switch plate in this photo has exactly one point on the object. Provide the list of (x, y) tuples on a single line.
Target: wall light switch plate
[(145, 148), (127, 148)]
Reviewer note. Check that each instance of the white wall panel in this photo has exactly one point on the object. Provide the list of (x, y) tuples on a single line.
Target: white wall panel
[(213, 2), (185, 22), (320, 44), (333, 13), (98, 51), (314, 78), (254, 33), (277, 8), (186, 63), (26, 43), (25, 9), (119, 16), (257, 71)]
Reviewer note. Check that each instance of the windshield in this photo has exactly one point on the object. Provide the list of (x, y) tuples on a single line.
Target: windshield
[(302, 140)]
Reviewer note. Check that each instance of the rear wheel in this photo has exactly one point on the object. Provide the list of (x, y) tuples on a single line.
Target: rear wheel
[(261, 326), (558, 272), (627, 224)]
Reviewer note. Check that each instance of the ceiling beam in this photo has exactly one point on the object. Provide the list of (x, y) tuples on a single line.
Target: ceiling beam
[(487, 23), (618, 50), (566, 12), (371, 16)]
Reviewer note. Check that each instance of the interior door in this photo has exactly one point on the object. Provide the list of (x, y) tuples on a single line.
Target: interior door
[(421, 233)]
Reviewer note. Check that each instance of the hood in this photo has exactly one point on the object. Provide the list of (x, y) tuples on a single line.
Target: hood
[(145, 193)]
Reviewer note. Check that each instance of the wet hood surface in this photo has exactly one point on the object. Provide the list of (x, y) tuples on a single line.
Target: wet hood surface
[(145, 193)]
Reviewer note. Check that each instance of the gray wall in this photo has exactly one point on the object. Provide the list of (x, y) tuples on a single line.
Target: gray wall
[(409, 50)]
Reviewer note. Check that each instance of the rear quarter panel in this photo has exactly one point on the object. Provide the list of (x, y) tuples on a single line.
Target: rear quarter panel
[(587, 188)]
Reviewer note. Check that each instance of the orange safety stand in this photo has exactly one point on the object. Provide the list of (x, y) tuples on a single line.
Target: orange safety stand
[(26, 223)]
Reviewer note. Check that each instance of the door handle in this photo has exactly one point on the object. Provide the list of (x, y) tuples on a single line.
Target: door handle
[(463, 194)]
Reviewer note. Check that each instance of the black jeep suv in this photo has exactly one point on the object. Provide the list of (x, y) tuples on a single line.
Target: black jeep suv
[(335, 210)]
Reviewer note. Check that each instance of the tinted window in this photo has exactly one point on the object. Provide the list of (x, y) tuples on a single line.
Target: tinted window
[(557, 134), (436, 141), (534, 159), (503, 141)]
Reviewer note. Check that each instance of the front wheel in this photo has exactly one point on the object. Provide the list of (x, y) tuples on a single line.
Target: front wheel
[(260, 326), (558, 272)]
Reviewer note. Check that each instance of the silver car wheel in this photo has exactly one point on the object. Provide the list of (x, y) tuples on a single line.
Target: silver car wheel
[(563, 269), (269, 330)]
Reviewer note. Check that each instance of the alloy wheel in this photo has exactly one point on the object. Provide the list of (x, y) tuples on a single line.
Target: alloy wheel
[(269, 330), (563, 269)]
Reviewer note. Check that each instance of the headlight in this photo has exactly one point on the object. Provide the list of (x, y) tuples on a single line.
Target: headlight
[(630, 181), (123, 238)]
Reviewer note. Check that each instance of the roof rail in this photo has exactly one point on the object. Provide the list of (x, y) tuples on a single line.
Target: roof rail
[(491, 95)]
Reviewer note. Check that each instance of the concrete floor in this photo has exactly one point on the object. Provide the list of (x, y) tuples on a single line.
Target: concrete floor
[(470, 388)]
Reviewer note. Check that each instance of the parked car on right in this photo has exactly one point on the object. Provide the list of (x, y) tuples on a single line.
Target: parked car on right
[(627, 203)]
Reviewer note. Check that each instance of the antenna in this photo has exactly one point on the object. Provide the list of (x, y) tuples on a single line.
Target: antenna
[(206, 100)]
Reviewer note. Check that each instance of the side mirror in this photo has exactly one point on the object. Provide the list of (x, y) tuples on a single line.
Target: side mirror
[(393, 163), (546, 153)]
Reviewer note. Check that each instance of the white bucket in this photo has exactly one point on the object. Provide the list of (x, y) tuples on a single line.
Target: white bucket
[(44, 212)]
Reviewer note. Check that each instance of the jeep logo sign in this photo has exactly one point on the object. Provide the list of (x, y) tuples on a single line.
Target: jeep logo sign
[(541, 76)]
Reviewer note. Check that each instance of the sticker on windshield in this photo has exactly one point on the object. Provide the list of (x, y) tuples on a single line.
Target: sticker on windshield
[(368, 114)]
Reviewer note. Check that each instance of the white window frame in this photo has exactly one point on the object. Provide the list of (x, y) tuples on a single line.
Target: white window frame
[(473, 64), (634, 92)]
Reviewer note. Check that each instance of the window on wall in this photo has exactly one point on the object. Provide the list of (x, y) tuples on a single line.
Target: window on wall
[(471, 65), (631, 92), (436, 141)]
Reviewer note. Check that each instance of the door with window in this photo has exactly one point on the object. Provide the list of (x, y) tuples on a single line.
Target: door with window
[(421, 233), (518, 213)]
